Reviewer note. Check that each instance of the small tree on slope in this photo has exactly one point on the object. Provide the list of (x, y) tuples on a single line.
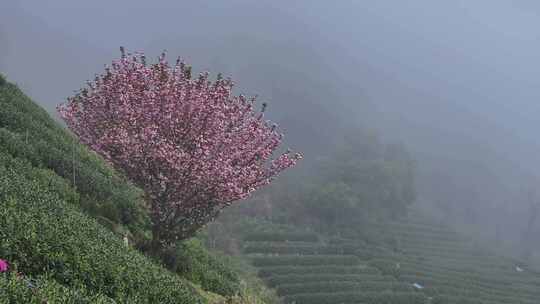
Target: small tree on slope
[(190, 144)]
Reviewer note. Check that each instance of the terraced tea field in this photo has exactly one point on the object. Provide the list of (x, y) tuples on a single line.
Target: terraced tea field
[(423, 263), (306, 270)]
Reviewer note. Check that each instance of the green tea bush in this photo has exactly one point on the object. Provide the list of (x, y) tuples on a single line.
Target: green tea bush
[(309, 260), (312, 278), (17, 290), (104, 193), (281, 237), (12, 96), (192, 261), (30, 133), (458, 300), (357, 297), (332, 287), (12, 143), (326, 269), (387, 267), (73, 249), (306, 249)]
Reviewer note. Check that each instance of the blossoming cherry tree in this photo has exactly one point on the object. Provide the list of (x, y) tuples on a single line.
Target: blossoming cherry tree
[(190, 144)]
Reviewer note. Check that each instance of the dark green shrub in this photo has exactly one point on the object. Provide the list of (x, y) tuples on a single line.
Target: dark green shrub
[(2, 80), (192, 261)]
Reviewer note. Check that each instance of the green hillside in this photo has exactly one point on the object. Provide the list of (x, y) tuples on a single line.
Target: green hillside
[(384, 264)]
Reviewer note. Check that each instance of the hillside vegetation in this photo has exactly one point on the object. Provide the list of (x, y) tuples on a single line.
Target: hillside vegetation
[(409, 261), (63, 214), (452, 268)]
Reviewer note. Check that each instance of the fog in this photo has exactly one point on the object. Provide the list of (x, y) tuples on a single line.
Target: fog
[(458, 82)]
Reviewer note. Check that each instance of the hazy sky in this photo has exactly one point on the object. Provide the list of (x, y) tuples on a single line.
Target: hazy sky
[(454, 80)]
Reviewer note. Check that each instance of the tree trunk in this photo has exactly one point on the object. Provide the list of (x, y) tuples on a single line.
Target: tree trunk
[(155, 244)]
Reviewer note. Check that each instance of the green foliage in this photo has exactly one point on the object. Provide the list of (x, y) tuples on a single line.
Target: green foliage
[(2, 80), (71, 248), (363, 178), (253, 289), (332, 202), (192, 261)]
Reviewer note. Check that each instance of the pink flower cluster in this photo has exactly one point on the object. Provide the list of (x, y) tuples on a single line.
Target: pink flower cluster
[(4, 266), (191, 144)]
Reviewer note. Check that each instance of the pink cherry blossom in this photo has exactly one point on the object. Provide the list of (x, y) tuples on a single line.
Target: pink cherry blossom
[(190, 144), (4, 266)]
